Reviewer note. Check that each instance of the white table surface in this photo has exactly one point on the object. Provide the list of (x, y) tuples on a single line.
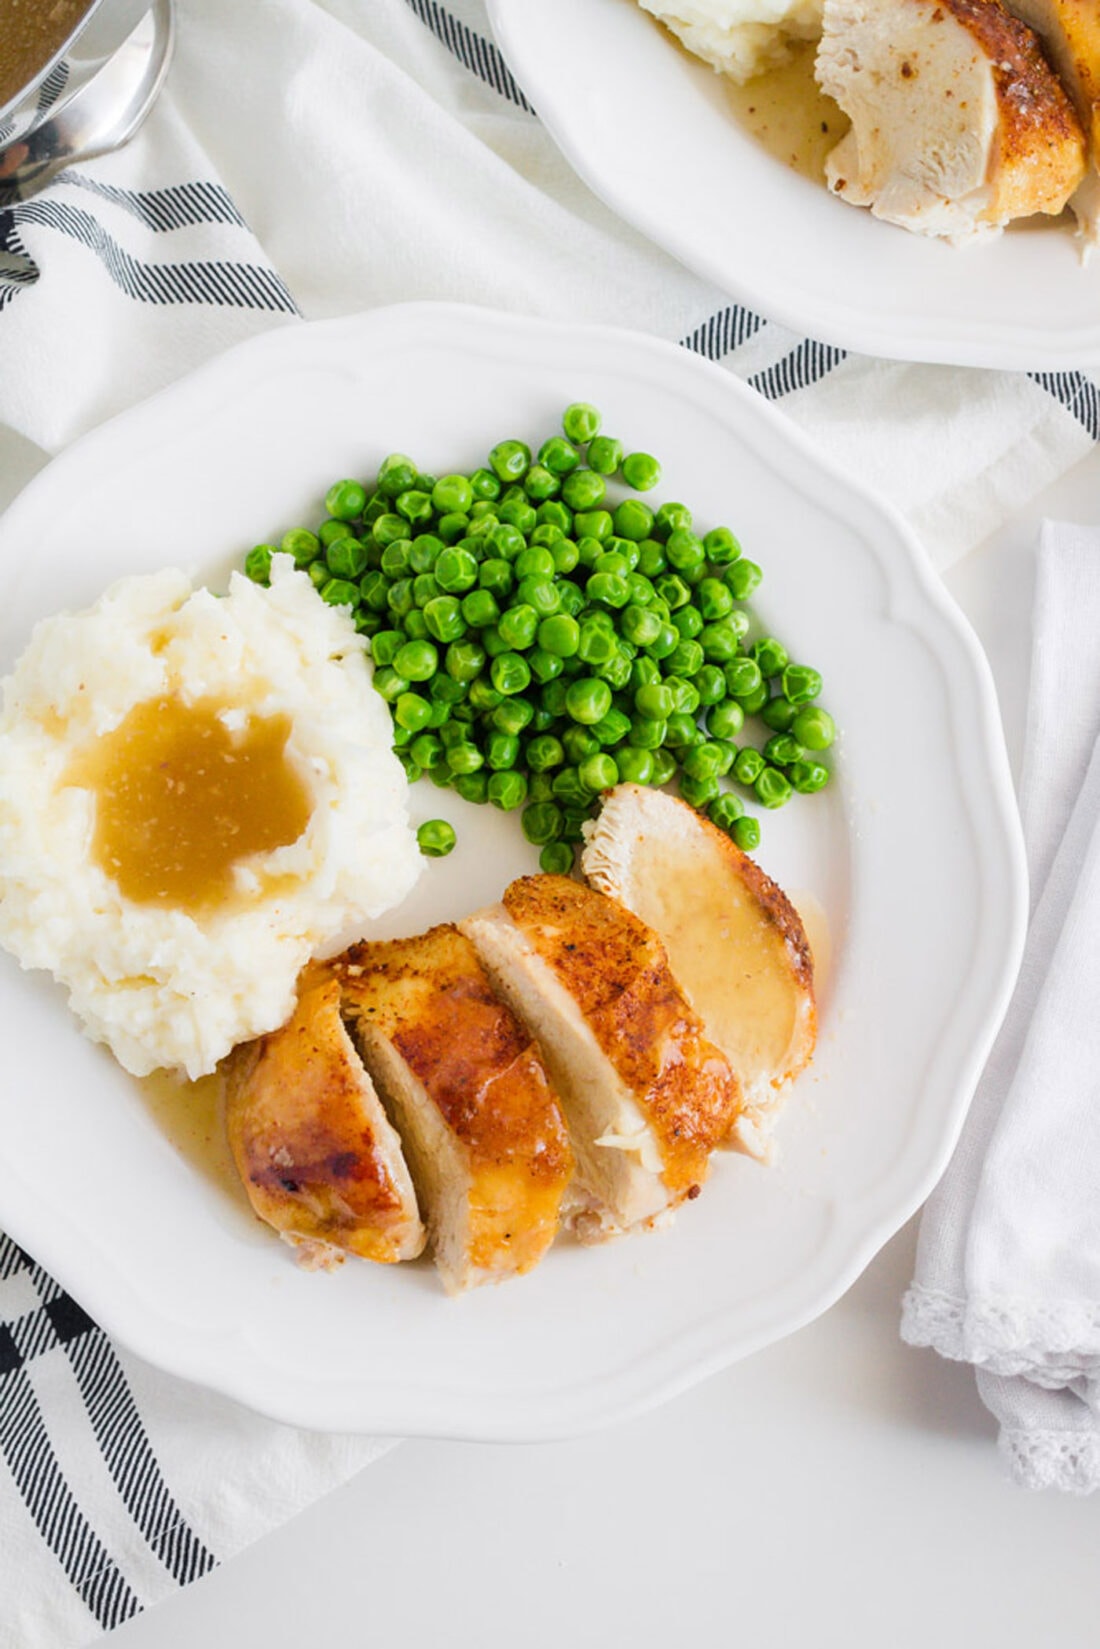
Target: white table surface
[(837, 1489)]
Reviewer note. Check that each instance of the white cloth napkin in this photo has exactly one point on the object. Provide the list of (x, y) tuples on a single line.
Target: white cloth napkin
[(313, 158), (1008, 1263)]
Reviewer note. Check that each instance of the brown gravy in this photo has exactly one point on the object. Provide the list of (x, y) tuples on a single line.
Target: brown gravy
[(788, 114), (31, 31), (180, 800)]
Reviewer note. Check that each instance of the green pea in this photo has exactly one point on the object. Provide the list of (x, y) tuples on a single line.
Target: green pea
[(814, 727), (544, 665), (746, 833), (609, 588), (654, 702), (725, 720), (559, 634), (743, 577), (598, 772), (435, 838), (699, 793), (389, 529), (540, 787), (643, 671), (390, 684), (443, 616), (685, 552), (510, 673), (772, 788), (257, 563), (518, 513), (553, 698), (605, 454), (456, 570), (640, 626), (502, 751), (569, 790), (385, 646), (616, 672), (303, 545), (689, 621), (725, 810), (635, 766), (417, 661), (721, 546), (544, 752), (782, 749), (752, 703), (710, 684), (413, 712), (685, 658), (507, 790), (518, 627), (480, 609), (592, 523), (682, 731), (612, 728), (565, 556), (415, 506), (483, 696), (464, 660), (580, 421), (640, 471), (452, 494), (450, 528), (587, 699), (748, 764), (673, 590), (633, 520), (540, 483), (367, 623), (579, 742), (427, 751), (647, 734), (346, 558), (539, 593), (652, 560), (571, 597), (742, 676), (542, 823), (584, 490), (339, 592), (770, 654), (559, 456), (345, 500), (667, 640), (396, 474), (596, 642), (318, 573), (664, 767), (714, 598), (808, 777), (553, 513), (778, 714), (512, 715), (495, 575), (472, 787), (510, 460), (484, 484), (801, 683), (465, 758), (556, 859)]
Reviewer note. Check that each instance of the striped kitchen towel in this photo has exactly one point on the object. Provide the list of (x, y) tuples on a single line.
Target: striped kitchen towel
[(375, 151)]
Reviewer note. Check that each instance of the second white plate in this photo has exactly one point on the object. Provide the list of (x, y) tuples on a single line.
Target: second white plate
[(652, 132)]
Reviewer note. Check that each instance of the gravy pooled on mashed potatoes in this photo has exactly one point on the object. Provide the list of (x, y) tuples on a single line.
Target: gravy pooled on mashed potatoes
[(196, 795)]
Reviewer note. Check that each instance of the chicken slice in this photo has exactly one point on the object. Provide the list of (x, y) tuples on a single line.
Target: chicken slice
[(647, 1097), (959, 124), (1070, 32), (467, 1089), (312, 1144), (735, 942)]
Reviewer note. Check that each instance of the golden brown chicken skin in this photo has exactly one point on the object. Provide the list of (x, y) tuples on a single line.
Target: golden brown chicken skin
[(316, 1154), (466, 1085)]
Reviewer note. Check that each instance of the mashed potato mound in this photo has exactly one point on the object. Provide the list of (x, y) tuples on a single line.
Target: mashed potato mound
[(159, 986), (739, 38)]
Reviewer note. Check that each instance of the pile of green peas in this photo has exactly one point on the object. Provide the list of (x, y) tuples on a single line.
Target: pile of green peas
[(539, 640)]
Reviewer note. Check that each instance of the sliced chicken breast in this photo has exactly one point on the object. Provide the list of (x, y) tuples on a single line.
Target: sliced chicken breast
[(959, 124), (1070, 33), (735, 942), (466, 1087), (646, 1096), (312, 1144)]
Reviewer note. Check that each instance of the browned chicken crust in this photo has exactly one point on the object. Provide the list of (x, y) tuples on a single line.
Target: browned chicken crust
[(314, 1151), (1039, 125), (617, 972), (430, 999)]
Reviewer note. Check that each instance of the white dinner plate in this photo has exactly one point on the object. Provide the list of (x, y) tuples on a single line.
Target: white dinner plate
[(909, 868), (652, 132)]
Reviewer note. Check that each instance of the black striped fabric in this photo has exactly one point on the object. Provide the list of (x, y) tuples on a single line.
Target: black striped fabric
[(58, 1327), (473, 50)]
